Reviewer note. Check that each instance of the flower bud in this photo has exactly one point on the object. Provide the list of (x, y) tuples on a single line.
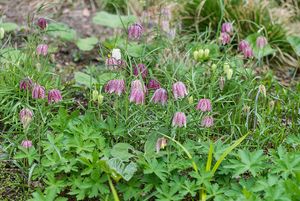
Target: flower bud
[(100, 99), (42, 23), (95, 95), (229, 74), (272, 105), (26, 117), (200, 54), (221, 83), (196, 55), (191, 100), (116, 53), (226, 66), (161, 143), (1, 33), (262, 89), (246, 109), (206, 53)]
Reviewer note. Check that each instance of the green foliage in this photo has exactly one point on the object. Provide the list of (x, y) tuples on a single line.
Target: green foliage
[(9, 26), (86, 44), (62, 31), (114, 21)]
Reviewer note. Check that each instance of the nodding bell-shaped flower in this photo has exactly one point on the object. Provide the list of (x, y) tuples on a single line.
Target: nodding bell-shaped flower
[(42, 23), (179, 119), (115, 86), (116, 53), (262, 90), (25, 117), (204, 105), (160, 96), (227, 28), (243, 45), (138, 92), (135, 31), (153, 84), (224, 38), (221, 83), (112, 63), (161, 143), (42, 49), (229, 74), (207, 121), (261, 42), (140, 69), (248, 53), (26, 143), (54, 95), (26, 84), (38, 92), (179, 90)]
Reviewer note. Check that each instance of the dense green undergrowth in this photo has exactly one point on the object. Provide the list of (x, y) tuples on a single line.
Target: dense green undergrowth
[(95, 144)]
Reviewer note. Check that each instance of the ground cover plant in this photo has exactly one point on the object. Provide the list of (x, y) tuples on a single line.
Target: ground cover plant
[(157, 114)]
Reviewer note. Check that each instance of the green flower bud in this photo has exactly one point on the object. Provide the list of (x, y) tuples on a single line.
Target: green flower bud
[(206, 53), (226, 66), (200, 54), (95, 95), (229, 74), (196, 55), (100, 99)]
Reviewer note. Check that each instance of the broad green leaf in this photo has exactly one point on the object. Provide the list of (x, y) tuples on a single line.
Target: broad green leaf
[(126, 171), (62, 31), (121, 151), (86, 44), (295, 43), (111, 20), (84, 79), (103, 78), (135, 50), (9, 26)]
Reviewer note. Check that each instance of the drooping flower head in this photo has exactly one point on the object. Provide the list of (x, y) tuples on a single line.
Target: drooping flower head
[(138, 92), (25, 116), (224, 38), (116, 53), (42, 23), (221, 83), (54, 95), (179, 119), (115, 86), (261, 42), (207, 121), (38, 92), (243, 45), (227, 28), (161, 143), (248, 53), (26, 143), (137, 96), (160, 96), (42, 49), (111, 63), (135, 31), (179, 90), (140, 69), (204, 105), (153, 84), (26, 84)]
